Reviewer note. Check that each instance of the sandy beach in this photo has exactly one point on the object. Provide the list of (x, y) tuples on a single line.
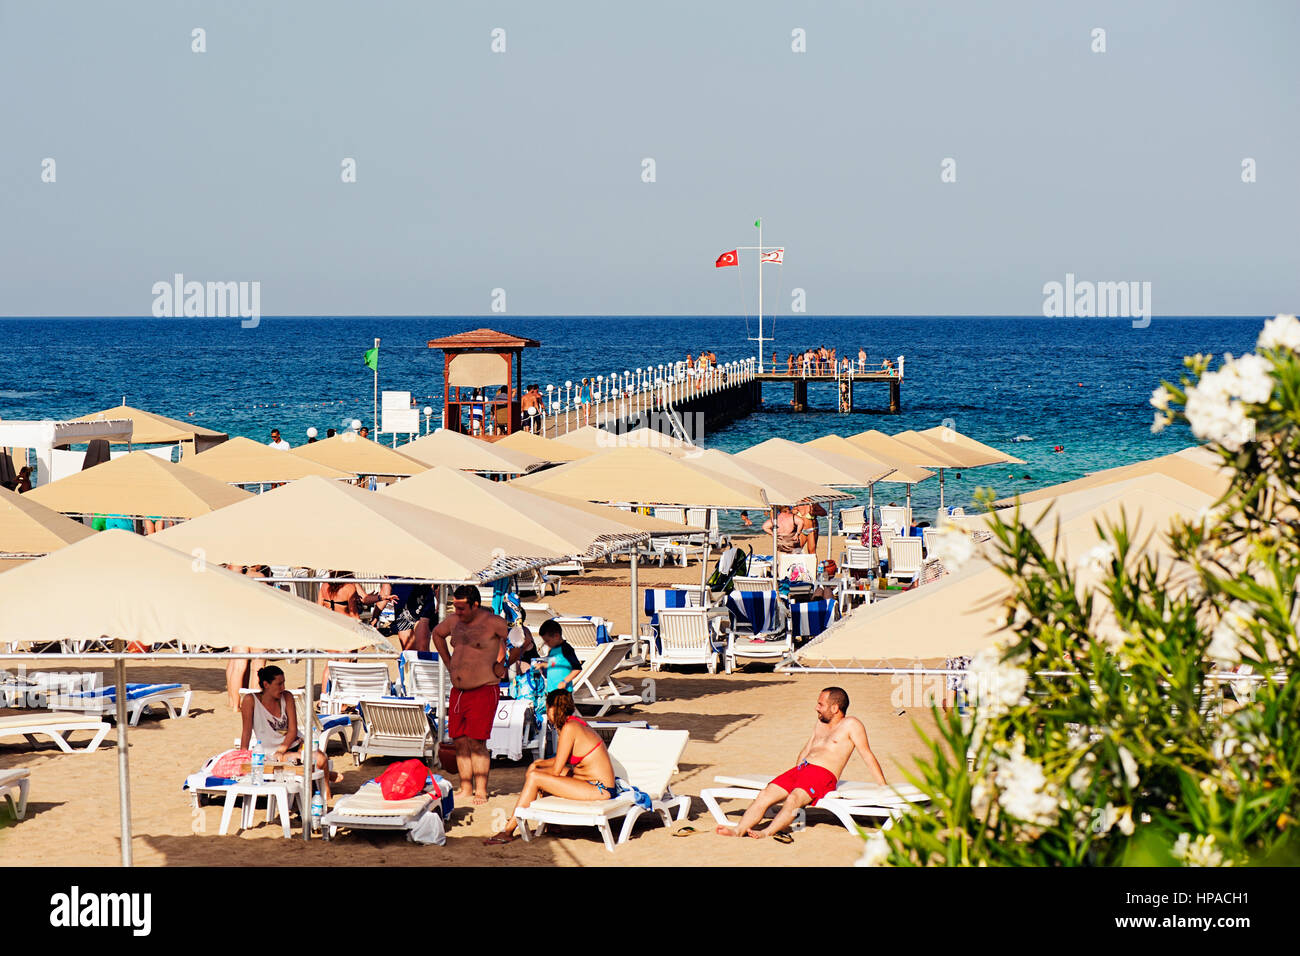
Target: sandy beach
[(753, 721)]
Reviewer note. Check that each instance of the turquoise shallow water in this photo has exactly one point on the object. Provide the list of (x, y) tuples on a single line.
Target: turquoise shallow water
[(1082, 383)]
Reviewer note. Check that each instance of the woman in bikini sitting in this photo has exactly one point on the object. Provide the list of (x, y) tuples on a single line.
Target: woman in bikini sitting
[(271, 716), (346, 598), (589, 777)]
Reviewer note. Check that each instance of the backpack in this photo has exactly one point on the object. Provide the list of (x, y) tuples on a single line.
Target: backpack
[(403, 780)]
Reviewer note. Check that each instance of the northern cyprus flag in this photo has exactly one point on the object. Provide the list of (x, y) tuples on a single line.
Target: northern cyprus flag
[(776, 255)]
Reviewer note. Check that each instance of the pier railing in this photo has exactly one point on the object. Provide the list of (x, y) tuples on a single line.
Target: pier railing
[(623, 396)]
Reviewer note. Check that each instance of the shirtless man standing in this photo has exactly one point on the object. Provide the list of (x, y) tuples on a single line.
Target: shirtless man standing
[(817, 769), (473, 661)]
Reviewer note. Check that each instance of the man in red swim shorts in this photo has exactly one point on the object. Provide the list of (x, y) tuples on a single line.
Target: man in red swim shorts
[(473, 660), (816, 770)]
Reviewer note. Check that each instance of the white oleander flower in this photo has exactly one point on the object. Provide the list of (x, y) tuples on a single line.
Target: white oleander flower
[(876, 852), (1159, 422), (952, 546), (1130, 766), (1253, 379), (1198, 852), (1225, 641), (1125, 821), (1098, 559), (1024, 790), (996, 682), (1214, 407), (1282, 332), (1160, 398)]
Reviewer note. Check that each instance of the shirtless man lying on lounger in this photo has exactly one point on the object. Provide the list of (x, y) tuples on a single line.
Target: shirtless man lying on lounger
[(816, 771)]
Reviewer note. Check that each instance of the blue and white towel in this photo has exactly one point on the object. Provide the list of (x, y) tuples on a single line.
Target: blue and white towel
[(133, 691), (602, 629), (810, 618), (639, 797), (660, 599), (755, 608)]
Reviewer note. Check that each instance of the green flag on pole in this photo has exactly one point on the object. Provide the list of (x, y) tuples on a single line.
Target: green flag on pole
[(757, 223), (372, 359)]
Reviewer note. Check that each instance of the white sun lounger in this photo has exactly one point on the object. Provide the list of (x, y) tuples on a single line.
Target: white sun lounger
[(368, 810), (57, 726), (395, 728), (103, 700), (594, 686), (647, 759), (15, 781), (849, 799)]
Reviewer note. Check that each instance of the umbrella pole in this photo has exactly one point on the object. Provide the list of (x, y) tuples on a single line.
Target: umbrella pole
[(940, 489), (830, 528), (308, 754), (123, 770), (442, 679), (635, 630), (776, 562), (704, 559)]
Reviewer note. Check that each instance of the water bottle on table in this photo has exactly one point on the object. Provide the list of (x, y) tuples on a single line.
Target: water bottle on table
[(257, 763), (317, 809)]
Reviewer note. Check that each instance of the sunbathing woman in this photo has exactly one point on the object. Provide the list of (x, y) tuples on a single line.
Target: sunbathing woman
[(272, 716), (589, 777)]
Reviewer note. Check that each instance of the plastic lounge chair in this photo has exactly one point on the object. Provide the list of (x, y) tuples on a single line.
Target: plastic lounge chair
[(758, 628), (103, 700), (394, 727), (15, 781), (418, 672), (807, 561), (594, 686), (58, 726), (852, 520), (351, 683), (646, 759), (847, 800), (368, 810), (904, 559), (896, 516), (928, 536), (687, 636)]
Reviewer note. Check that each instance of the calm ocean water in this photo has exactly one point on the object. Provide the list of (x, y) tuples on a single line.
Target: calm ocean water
[(1083, 384)]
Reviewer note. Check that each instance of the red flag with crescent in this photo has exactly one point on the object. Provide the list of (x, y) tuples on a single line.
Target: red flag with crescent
[(727, 259)]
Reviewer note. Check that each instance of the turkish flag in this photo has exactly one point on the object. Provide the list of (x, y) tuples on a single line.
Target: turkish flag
[(727, 259)]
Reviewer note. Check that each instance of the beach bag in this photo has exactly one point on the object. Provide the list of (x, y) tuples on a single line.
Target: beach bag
[(403, 780)]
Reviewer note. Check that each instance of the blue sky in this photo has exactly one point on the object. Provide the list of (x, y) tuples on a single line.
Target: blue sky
[(522, 170)]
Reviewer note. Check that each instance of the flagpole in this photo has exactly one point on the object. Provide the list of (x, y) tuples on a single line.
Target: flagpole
[(759, 223), (376, 399)]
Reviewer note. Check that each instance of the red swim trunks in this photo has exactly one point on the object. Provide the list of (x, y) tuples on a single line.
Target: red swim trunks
[(814, 780), (471, 713)]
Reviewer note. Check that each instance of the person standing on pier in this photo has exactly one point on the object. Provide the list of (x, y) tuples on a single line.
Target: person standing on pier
[(862, 360)]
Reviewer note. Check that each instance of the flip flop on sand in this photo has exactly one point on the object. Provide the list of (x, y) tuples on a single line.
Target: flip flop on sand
[(685, 831), (783, 837), (500, 839)]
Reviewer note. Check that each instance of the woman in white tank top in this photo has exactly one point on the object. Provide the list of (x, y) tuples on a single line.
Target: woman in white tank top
[(271, 717)]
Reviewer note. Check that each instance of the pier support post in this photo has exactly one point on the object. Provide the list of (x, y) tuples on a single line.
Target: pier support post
[(800, 395), (895, 396)]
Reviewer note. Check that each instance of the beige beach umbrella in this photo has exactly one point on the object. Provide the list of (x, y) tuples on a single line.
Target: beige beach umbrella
[(132, 588), (590, 438), (972, 453), (464, 453), (781, 488), (964, 612), (547, 449), (646, 437), (954, 450), (498, 507), (136, 588), (904, 472), (138, 485), (814, 464), (643, 476), (150, 428), (657, 527), (360, 456), (242, 461), (1180, 467), (1084, 499), (317, 523), (29, 528)]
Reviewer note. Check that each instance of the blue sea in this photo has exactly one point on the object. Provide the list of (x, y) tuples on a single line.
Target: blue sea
[(1083, 384)]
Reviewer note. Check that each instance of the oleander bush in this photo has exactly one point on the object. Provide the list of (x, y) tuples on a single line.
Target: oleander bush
[(1125, 752)]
